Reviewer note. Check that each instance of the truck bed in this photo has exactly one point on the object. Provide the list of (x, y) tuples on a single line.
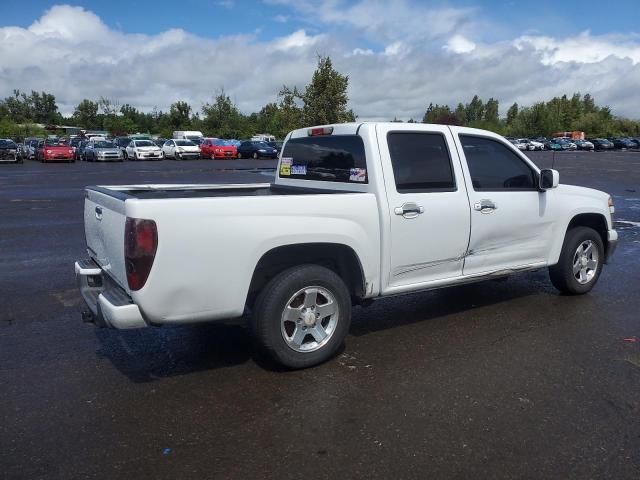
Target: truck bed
[(124, 192)]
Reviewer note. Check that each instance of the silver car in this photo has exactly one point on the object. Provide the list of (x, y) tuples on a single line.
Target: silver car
[(9, 151), (102, 151)]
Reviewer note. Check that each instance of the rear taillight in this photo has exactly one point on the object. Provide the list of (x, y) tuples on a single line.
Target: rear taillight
[(140, 245), (315, 132)]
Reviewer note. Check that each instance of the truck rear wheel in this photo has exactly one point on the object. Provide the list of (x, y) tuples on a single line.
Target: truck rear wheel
[(302, 316), (580, 262)]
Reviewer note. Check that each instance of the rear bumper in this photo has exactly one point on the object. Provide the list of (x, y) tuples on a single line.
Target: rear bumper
[(612, 244), (109, 305)]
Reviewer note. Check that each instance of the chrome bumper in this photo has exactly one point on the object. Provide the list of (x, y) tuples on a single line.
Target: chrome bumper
[(109, 305), (612, 244)]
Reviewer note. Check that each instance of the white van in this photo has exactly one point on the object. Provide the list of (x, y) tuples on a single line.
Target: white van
[(192, 135), (263, 137)]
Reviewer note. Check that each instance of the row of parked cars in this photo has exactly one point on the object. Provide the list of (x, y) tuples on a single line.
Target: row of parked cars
[(566, 143), (102, 149)]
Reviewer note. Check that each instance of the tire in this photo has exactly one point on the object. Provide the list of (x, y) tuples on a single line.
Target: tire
[(124, 155), (298, 343), (135, 156), (256, 156), (580, 262)]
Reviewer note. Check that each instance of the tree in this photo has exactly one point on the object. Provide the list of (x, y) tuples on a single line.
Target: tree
[(222, 117), (325, 97), (291, 116), (180, 114), (491, 111), (512, 113), (85, 114), (474, 111)]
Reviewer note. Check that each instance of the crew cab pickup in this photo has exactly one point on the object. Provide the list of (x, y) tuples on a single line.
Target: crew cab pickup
[(357, 211)]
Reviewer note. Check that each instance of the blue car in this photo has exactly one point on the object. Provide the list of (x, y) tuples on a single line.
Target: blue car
[(256, 149)]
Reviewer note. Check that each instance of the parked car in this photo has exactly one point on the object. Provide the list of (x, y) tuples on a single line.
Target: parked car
[(518, 144), (634, 141), (566, 144), (256, 149), (234, 142), (621, 143), (601, 144), (181, 149), (144, 150), (54, 150), (122, 143), (535, 145), (9, 151), (23, 151), (74, 142), (159, 141), (192, 135), (217, 148), (102, 151), (276, 145), (555, 146), (31, 148), (584, 145), (342, 224)]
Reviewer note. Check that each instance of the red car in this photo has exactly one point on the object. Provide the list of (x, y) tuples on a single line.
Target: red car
[(54, 150), (217, 148)]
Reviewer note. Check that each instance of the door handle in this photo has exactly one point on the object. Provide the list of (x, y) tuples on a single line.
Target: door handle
[(409, 210), (99, 213), (485, 206)]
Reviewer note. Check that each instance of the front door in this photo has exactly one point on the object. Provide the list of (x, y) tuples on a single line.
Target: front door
[(428, 205), (511, 220)]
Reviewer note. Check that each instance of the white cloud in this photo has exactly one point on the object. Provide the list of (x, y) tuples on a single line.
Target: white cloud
[(583, 48), (460, 44), (394, 58), (281, 18), (298, 39)]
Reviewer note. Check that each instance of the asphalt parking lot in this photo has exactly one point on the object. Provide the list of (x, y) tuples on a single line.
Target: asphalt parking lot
[(503, 379)]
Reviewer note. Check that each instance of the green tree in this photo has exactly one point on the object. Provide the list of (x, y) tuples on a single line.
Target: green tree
[(85, 115), (180, 115), (491, 111), (325, 98), (512, 113)]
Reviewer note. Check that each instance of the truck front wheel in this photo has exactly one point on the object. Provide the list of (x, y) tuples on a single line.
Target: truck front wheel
[(302, 316), (580, 262)]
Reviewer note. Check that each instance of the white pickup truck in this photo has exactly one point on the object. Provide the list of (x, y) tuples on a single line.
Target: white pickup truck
[(357, 211)]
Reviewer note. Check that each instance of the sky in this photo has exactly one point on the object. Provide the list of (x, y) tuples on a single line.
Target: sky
[(399, 55)]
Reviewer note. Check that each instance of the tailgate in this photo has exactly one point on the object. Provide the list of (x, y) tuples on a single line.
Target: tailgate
[(104, 223)]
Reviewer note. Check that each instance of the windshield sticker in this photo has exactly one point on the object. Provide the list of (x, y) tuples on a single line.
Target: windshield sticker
[(358, 175), (285, 166), (299, 169)]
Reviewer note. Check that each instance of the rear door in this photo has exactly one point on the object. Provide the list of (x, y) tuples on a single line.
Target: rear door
[(511, 221), (428, 206), (104, 224)]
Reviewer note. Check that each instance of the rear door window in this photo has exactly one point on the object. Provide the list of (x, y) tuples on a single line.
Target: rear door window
[(421, 162), (331, 158)]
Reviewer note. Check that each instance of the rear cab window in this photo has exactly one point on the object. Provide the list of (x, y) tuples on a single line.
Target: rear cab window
[(330, 158)]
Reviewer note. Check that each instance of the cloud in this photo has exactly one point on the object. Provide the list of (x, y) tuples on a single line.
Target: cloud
[(460, 44), (397, 61)]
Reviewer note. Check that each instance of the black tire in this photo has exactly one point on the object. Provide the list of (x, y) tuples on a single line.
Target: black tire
[(267, 315), (562, 274), (124, 155), (256, 155)]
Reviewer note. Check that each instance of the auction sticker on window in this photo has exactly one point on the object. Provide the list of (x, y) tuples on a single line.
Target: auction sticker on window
[(358, 175), (299, 170), (285, 166)]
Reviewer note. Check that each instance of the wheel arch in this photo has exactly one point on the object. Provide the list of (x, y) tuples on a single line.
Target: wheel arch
[(596, 221), (340, 258)]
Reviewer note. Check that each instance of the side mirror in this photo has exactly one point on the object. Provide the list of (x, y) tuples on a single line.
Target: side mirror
[(549, 179)]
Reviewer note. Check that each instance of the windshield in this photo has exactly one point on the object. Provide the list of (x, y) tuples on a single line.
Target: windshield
[(185, 143), (262, 145), (7, 144), (54, 142), (222, 143), (104, 145), (145, 143)]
